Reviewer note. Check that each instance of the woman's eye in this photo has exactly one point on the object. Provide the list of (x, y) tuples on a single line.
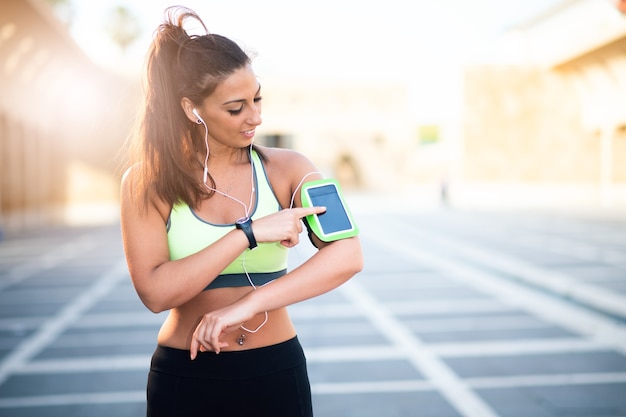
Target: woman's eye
[(239, 110)]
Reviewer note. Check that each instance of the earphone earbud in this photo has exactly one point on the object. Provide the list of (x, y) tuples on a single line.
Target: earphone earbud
[(199, 121)]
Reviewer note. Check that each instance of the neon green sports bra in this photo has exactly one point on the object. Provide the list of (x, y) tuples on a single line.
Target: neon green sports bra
[(187, 234)]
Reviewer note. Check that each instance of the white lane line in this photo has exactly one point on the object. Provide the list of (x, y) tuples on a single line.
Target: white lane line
[(353, 354), (49, 260), (312, 311), (445, 306), (517, 347), (74, 399), (89, 321), (142, 362), (460, 395), (544, 380), (370, 387), (339, 388), (87, 365), (597, 297), (327, 355), (572, 245), (548, 380), (20, 324), (107, 338), (476, 324), (299, 312), (126, 319), (50, 329), (585, 322), (307, 310), (435, 370)]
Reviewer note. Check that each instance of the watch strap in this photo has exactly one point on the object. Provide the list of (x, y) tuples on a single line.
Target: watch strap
[(246, 226)]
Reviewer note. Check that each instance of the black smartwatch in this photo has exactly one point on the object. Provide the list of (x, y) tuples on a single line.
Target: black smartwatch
[(246, 226)]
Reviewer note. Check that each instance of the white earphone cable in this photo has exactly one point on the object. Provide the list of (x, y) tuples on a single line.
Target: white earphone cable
[(246, 208)]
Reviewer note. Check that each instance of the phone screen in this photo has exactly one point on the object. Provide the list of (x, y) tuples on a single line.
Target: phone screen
[(335, 218)]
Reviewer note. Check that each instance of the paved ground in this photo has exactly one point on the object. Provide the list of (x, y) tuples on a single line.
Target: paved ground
[(457, 313)]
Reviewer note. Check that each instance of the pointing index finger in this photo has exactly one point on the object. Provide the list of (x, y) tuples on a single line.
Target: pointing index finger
[(306, 211)]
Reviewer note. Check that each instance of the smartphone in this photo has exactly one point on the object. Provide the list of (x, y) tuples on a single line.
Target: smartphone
[(337, 221)]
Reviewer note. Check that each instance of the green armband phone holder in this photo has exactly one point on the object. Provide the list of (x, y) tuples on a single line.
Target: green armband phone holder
[(337, 221)]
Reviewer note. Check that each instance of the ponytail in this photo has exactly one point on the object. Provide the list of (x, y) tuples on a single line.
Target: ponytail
[(178, 65)]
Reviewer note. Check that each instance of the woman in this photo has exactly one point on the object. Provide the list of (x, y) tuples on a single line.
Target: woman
[(207, 219)]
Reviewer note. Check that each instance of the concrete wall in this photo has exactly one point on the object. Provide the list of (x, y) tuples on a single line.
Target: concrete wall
[(524, 124), (549, 106)]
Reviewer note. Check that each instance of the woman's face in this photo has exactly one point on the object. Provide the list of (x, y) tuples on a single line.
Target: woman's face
[(233, 111)]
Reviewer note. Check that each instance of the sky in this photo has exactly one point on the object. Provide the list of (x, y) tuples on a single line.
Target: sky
[(423, 43), (346, 38)]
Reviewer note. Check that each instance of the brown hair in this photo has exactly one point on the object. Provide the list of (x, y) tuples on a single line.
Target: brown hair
[(178, 65)]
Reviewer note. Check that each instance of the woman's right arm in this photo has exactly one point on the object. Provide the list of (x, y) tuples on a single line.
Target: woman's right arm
[(160, 283), (163, 284)]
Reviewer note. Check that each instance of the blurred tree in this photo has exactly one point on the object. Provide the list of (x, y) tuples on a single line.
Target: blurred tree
[(64, 10), (123, 27)]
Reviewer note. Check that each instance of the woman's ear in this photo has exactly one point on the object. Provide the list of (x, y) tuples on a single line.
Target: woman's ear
[(188, 108)]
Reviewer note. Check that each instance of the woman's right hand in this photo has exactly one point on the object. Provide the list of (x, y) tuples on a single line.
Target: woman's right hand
[(284, 226)]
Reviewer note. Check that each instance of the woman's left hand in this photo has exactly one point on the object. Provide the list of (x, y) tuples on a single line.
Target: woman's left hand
[(215, 325)]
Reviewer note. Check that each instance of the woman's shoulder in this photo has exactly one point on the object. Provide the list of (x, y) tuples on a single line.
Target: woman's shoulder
[(286, 169), (140, 196), (284, 159), (130, 179)]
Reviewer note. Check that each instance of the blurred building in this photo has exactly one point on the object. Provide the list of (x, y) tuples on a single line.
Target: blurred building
[(62, 122), (543, 106), (543, 120), (360, 133), (547, 105)]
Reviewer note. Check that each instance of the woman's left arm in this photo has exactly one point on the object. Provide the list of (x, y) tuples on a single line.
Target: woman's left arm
[(327, 269), (332, 265)]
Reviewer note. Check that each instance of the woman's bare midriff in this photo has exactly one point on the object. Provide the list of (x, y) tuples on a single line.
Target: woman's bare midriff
[(181, 322)]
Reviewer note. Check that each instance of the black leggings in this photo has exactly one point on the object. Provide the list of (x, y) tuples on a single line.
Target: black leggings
[(270, 381)]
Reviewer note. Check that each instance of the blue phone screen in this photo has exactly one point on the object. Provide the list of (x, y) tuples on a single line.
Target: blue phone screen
[(334, 219)]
